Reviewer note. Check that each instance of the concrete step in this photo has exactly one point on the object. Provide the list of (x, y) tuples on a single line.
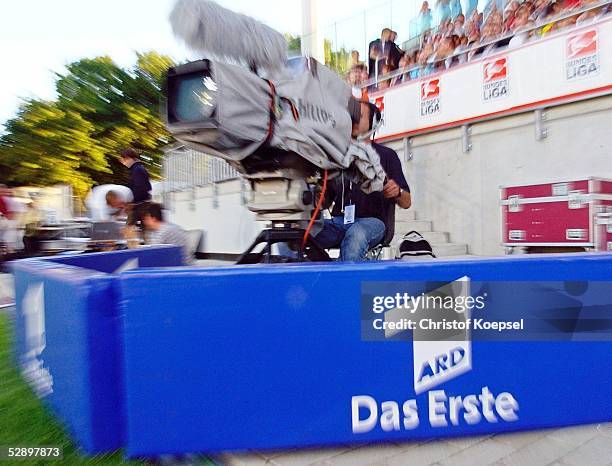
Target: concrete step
[(404, 226), (449, 249), (434, 237), (405, 214)]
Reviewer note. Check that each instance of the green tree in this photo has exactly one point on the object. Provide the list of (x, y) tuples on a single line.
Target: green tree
[(101, 109), (339, 61), (47, 145), (124, 106), (294, 45)]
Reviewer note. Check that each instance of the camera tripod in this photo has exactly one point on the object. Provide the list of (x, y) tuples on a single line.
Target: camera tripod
[(311, 251)]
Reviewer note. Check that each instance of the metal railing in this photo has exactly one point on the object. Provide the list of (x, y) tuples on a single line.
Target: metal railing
[(185, 168), (438, 65)]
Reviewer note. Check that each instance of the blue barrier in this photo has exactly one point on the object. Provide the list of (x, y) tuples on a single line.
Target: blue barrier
[(273, 357), (68, 341)]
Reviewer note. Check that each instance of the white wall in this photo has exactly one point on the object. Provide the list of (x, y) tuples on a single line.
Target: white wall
[(229, 227), (459, 191)]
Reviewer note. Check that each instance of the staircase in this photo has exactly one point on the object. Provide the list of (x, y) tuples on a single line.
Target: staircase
[(406, 220)]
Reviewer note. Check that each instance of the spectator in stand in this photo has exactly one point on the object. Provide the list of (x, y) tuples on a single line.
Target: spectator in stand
[(539, 9), (385, 83), (463, 46), (594, 13), (553, 11), (467, 38), (458, 25), (378, 52), (355, 78), (510, 16), (423, 60), (521, 28), (407, 65), (162, 232), (565, 23), (443, 56), (395, 53), (442, 11), (469, 6), (355, 58), (569, 5), (424, 19), (455, 8)]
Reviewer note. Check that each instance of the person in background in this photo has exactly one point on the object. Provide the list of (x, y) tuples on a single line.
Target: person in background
[(469, 6), (395, 53), (355, 58), (458, 25), (5, 218), (139, 184), (384, 83), (424, 19), (378, 52), (462, 47), (442, 10), (455, 8), (10, 210), (162, 232), (406, 64), (357, 222), (108, 202), (355, 78)]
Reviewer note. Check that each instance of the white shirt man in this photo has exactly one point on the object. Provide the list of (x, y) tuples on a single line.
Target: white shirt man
[(100, 210)]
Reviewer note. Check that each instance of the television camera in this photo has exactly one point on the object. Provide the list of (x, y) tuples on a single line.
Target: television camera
[(285, 125)]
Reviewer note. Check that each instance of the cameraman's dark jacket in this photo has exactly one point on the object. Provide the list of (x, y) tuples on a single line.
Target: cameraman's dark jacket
[(366, 205), (139, 183)]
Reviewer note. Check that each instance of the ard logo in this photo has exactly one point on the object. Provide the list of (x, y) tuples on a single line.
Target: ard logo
[(437, 356)]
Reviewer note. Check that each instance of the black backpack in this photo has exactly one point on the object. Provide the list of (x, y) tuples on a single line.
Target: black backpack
[(414, 245)]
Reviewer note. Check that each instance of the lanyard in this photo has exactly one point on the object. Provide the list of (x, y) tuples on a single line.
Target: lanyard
[(350, 199)]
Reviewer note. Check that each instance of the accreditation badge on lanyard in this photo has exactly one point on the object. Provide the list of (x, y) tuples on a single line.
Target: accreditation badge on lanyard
[(349, 210)]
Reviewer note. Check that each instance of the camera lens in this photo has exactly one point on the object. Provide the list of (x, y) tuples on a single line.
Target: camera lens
[(195, 97)]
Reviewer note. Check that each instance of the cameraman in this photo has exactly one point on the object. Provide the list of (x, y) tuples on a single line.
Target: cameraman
[(357, 222)]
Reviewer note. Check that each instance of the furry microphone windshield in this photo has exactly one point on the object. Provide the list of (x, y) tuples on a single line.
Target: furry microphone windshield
[(209, 28)]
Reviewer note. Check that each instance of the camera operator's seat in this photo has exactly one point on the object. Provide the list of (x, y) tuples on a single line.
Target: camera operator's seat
[(377, 252)]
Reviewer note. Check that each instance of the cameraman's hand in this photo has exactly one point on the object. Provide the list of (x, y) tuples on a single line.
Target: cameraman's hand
[(391, 190)]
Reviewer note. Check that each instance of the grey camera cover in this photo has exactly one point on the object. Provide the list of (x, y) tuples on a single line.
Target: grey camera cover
[(321, 134)]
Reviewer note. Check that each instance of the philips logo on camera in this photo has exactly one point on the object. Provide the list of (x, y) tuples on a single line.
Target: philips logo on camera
[(315, 113)]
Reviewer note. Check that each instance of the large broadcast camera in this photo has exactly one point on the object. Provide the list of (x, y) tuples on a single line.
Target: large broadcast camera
[(285, 125)]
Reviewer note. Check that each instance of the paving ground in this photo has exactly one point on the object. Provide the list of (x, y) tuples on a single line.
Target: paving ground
[(575, 446)]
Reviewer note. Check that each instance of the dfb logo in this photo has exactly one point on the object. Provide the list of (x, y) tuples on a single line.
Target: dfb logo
[(495, 79), (582, 55), (430, 97)]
